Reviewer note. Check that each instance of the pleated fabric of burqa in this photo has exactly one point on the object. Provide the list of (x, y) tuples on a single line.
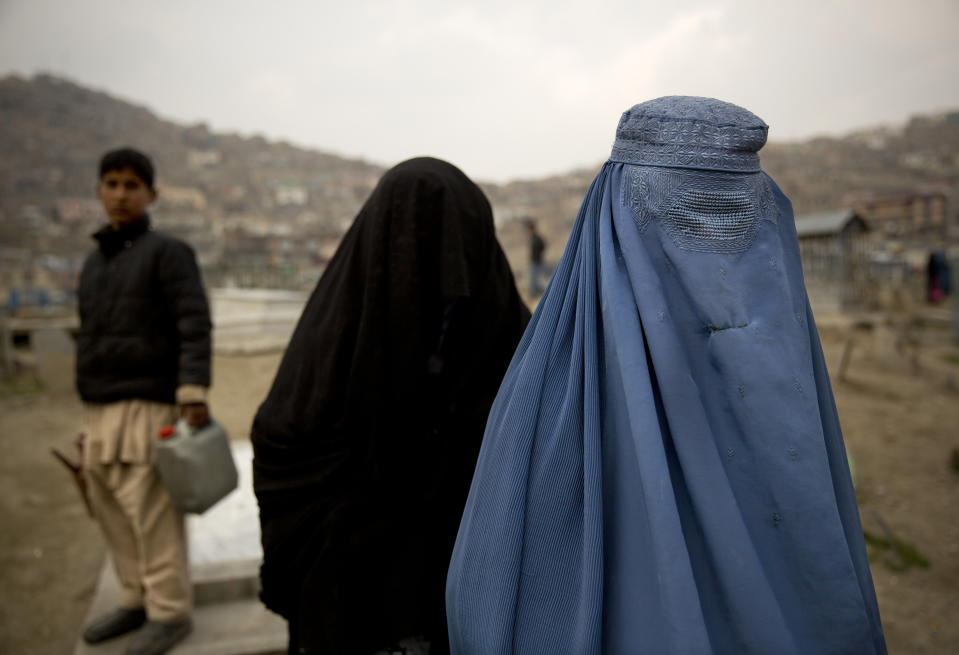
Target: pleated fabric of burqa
[(663, 469)]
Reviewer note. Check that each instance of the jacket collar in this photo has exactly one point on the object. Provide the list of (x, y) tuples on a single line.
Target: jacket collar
[(112, 240)]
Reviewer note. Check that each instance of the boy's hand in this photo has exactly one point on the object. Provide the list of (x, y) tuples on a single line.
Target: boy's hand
[(197, 415)]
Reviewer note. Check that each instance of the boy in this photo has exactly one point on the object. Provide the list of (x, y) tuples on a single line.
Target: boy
[(143, 354)]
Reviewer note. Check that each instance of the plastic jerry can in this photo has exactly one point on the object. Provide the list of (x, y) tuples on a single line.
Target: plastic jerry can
[(196, 465)]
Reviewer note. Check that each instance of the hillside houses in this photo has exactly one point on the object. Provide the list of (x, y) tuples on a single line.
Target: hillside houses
[(249, 204)]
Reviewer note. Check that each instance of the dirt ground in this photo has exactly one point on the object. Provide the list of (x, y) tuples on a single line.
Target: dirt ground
[(51, 553), (899, 408)]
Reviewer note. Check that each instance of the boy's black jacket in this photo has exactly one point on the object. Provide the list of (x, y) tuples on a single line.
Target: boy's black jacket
[(144, 318)]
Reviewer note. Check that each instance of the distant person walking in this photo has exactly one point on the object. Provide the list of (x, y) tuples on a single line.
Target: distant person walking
[(536, 248), (364, 447), (143, 356), (938, 276)]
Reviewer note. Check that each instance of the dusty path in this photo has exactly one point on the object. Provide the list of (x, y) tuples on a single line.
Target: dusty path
[(900, 427)]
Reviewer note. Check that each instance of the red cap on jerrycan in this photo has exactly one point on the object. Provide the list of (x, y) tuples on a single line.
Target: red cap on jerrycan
[(166, 432)]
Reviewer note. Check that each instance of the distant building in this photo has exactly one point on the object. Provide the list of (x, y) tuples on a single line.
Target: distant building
[(78, 211), (835, 258), (910, 216), (181, 198), (291, 195), (197, 159)]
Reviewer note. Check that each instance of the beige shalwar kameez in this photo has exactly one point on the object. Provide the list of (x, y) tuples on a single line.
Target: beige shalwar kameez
[(145, 534)]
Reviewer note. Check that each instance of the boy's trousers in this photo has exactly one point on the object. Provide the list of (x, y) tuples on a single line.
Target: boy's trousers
[(145, 534)]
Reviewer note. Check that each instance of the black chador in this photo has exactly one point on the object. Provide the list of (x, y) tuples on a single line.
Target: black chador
[(365, 446)]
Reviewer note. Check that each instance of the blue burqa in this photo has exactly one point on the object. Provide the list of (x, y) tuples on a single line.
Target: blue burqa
[(663, 469)]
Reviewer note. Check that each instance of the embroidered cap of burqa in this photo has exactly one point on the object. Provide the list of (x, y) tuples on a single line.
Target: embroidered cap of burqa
[(364, 448), (663, 469)]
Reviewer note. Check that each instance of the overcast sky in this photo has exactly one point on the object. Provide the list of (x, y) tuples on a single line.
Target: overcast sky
[(503, 89)]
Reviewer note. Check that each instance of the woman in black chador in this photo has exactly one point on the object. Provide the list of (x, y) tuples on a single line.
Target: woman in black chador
[(365, 446)]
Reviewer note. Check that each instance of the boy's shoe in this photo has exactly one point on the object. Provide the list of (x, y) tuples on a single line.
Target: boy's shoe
[(158, 637), (118, 622)]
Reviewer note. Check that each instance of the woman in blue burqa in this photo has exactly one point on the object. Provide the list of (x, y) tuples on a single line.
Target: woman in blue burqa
[(365, 446), (663, 469)]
